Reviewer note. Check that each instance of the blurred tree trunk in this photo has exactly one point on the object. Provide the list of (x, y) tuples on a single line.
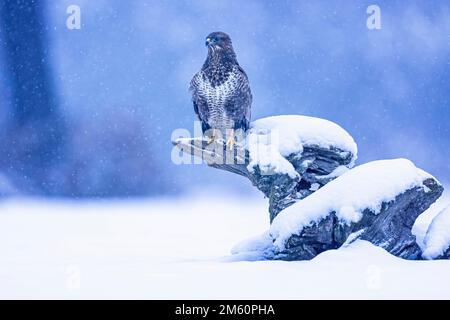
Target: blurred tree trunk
[(32, 142)]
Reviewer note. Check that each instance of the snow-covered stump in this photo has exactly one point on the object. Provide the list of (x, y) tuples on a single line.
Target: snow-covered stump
[(286, 157), (317, 202), (378, 202)]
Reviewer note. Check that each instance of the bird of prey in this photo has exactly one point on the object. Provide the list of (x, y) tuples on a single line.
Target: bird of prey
[(221, 91)]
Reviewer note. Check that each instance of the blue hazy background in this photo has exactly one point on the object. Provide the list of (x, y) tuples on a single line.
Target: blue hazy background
[(119, 86)]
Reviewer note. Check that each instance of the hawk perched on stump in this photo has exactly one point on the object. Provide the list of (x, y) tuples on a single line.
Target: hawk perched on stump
[(221, 91)]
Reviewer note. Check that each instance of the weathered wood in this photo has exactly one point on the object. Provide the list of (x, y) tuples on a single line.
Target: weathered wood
[(315, 166)]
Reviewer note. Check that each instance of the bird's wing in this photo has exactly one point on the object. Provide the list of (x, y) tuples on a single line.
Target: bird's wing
[(248, 94), (239, 105), (196, 98), (200, 104)]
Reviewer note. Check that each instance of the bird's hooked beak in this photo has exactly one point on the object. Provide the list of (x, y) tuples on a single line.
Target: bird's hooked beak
[(208, 42)]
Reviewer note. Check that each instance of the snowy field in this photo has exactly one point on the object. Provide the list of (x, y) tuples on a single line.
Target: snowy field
[(180, 249)]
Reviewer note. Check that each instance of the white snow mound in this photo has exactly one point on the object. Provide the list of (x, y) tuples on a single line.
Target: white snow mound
[(255, 248), (364, 187), (272, 139), (437, 239)]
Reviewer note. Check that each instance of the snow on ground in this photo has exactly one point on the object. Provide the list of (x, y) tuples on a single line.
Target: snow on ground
[(364, 187), (180, 248), (272, 139)]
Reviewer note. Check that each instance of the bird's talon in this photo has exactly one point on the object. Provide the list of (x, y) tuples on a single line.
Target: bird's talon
[(230, 143), (210, 139)]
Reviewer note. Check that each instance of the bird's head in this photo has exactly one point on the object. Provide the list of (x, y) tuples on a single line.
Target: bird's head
[(218, 41)]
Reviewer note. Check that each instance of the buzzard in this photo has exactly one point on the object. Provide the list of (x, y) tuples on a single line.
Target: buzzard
[(221, 91)]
